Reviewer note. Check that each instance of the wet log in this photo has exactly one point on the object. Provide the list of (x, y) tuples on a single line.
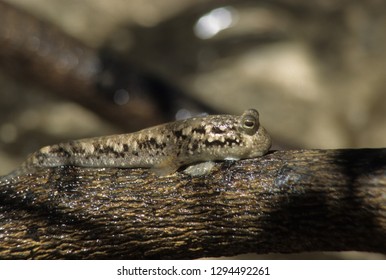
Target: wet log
[(287, 202)]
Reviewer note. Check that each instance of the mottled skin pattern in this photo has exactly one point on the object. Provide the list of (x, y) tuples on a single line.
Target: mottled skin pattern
[(162, 148)]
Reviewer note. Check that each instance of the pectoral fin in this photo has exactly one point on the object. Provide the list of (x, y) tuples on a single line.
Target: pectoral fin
[(199, 169), (166, 167)]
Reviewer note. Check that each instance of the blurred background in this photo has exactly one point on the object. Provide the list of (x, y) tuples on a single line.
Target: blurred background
[(72, 69)]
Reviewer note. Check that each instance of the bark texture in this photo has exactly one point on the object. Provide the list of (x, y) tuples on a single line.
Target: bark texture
[(286, 201)]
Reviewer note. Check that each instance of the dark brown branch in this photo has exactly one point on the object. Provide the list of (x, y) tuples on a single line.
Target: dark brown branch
[(35, 51), (286, 201)]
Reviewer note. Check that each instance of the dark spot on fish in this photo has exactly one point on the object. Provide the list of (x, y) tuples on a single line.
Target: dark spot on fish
[(179, 135), (78, 150), (108, 150), (60, 151), (195, 145), (151, 144), (125, 147), (153, 141), (199, 130), (217, 130), (227, 142)]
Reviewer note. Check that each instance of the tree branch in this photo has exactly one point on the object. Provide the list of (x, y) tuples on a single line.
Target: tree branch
[(286, 201), (35, 51)]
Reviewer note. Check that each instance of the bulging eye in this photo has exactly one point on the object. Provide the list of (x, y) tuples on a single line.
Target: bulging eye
[(249, 122)]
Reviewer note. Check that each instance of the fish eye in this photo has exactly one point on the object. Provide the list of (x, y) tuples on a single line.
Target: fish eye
[(249, 122)]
